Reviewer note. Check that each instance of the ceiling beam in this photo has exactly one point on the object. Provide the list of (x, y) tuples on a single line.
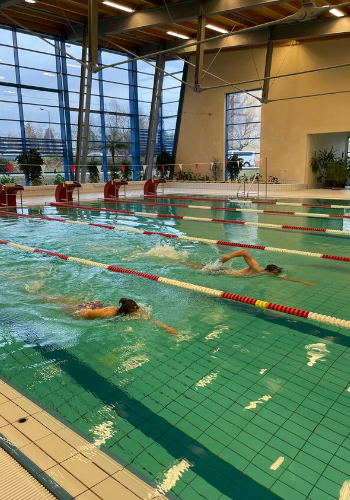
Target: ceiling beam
[(261, 36), (171, 13), (8, 3)]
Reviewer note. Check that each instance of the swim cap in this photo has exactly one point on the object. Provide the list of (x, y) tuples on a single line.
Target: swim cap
[(128, 306), (271, 268)]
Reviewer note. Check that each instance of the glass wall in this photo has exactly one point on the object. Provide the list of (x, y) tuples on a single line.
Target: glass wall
[(243, 123), (39, 102)]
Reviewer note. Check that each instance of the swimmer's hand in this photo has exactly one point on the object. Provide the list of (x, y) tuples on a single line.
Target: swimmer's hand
[(225, 258)]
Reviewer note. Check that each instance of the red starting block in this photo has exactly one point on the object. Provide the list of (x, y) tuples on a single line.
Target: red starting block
[(151, 186), (64, 191), (111, 190), (8, 194)]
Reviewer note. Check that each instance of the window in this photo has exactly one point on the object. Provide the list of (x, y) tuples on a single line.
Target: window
[(243, 122)]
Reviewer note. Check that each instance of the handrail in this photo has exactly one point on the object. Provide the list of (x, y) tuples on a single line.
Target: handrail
[(254, 178)]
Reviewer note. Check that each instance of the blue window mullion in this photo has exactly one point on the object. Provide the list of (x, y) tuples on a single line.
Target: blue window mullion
[(67, 173), (103, 122), (19, 95), (134, 119), (66, 103)]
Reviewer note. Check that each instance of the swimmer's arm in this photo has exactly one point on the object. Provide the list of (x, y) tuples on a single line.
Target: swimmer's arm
[(103, 312), (194, 265), (252, 263), (168, 329), (172, 331), (295, 280)]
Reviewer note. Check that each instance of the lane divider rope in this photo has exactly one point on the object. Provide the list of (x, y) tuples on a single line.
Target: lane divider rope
[(250, 210), (203, 219), (322, 318), (254, 202), (183, 237)]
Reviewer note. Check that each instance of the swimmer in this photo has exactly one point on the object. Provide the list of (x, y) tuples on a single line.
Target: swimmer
[(253, 268), (96, 309)]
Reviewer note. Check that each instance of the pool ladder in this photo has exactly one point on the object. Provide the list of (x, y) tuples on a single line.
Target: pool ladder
[(246, 194)]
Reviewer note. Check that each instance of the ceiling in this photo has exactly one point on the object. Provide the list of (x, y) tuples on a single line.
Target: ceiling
[(145, 30)]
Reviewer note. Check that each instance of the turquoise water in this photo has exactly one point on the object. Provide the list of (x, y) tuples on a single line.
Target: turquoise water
[(237, 389)]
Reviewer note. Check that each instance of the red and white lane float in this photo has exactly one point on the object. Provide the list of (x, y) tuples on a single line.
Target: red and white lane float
[(8, 194), (204, 219), (64, 191), (322, 318), (151, 186), (254, 202), (249, 210), (183, 237), (111, 189)]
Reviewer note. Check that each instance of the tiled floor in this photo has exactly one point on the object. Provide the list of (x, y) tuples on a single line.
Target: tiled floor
[(79, 467)]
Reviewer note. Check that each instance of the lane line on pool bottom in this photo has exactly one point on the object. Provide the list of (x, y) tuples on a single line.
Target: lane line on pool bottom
[(203, 219), (249, 210), (322, 318), (254, 202), (182, 237)]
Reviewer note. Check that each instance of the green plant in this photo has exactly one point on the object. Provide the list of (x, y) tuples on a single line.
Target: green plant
[(94, 175), (165, 158), (116, 171), (30, 165), (330, 168), (216, 169), (6, 179), (234, 166), (337, 173), (58, 179)]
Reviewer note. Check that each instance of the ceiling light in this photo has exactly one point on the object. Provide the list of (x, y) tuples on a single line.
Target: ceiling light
[(118, 6), (337, 12), (9, 92), (30, 1), (2, 77), (216, 28), (178, 35), (49, 74), (73, 65)]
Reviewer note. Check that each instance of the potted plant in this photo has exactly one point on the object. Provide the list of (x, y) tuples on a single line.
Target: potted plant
[(94, 175), (166, 159), (234, 166), (320, 163), (216, 169), (30, 165), (337, 172)]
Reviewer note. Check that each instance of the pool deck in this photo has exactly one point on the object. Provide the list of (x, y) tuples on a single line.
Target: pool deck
[(330, 194), (60, 460)]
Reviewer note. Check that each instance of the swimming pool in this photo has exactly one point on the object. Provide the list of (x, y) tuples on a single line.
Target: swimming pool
[(243, 404)]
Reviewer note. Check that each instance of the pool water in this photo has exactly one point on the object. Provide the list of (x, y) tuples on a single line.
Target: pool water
[(242, 404)]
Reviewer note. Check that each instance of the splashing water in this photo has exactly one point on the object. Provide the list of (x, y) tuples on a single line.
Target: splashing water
[(162, 252), (316, 352), (217, 267)]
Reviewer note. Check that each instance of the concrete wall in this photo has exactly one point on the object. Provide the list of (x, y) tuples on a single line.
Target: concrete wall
[(286, 124)]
